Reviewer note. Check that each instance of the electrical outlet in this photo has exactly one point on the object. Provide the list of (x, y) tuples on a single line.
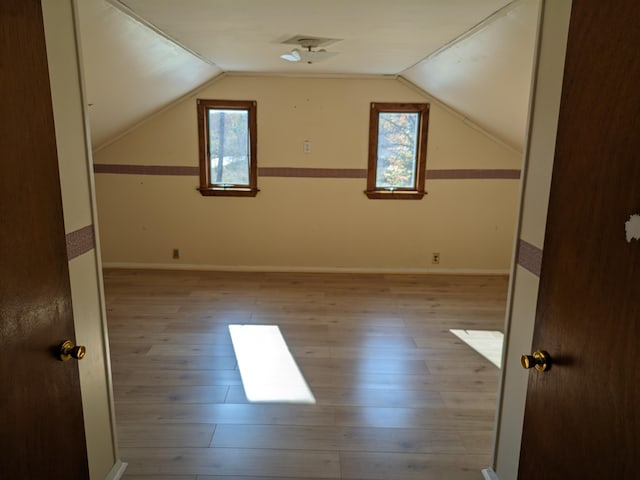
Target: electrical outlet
[(306, 146), (176, 253), (435, 258)]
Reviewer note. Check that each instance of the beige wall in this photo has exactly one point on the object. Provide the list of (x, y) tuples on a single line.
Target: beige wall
[(84, 271), (306, 223), (539, 156)]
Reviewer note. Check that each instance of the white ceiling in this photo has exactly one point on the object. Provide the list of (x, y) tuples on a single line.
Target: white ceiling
[(134, 66)]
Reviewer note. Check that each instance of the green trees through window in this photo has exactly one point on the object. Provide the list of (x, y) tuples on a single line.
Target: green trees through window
[(397, 142), (229, 146), (228, 160), (397, 150)]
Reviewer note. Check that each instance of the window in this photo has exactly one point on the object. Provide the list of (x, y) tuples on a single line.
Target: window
[(228, 160), (397, 150)]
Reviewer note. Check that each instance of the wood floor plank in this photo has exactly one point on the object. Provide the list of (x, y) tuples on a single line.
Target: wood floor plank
[(149, 436), (140, 324), (171, 394), (133, 376), (244, 477), (159, 477), (242, 414), (328, 377), (134, 349), (479, 367), (477, 442), (186, 349), (207, 321), (408, 440), (171, 338), (145, 361), (401, 417), (362, 397), (370, 364), (134, 308), (402, 466), (470, 400), (354, 353), (227, 461)]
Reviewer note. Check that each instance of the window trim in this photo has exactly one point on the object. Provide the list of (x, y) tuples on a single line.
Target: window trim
[(417, 191), (206, 188)]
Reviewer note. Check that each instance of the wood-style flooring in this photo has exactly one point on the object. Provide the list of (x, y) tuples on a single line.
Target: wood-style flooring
[(398, 396)]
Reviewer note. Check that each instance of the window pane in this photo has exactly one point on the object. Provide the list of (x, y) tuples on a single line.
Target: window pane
[(229, 146), (397, 144)]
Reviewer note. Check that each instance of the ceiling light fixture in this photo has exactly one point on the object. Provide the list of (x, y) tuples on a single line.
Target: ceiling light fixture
[(308, 55), (292, 56)]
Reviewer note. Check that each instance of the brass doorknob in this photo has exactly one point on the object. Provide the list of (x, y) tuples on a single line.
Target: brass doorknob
[(68, 350), (540, 360)]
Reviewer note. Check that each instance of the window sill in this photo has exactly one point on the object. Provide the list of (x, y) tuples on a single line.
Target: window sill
[(228, 192), (394, 195)]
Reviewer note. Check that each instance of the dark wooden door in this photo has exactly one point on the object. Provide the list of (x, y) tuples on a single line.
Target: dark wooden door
[(41, 423), (582, 418)]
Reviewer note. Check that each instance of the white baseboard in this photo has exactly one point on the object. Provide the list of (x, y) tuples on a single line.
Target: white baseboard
[(299, 269), (117, 471), (489, 474)]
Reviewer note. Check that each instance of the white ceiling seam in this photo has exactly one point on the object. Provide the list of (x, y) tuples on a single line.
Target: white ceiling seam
[(127, 11), (130, 70), (459, 115), (486, 75), (469, 33), (160, 111)]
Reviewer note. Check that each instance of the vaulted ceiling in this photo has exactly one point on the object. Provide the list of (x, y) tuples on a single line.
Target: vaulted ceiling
[(475, 56)]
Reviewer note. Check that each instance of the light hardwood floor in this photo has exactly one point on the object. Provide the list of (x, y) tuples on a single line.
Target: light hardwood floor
[(397, 395)]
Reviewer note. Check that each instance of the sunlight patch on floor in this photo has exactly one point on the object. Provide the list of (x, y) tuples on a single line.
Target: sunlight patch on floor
[(269, 371), (487, 343)]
